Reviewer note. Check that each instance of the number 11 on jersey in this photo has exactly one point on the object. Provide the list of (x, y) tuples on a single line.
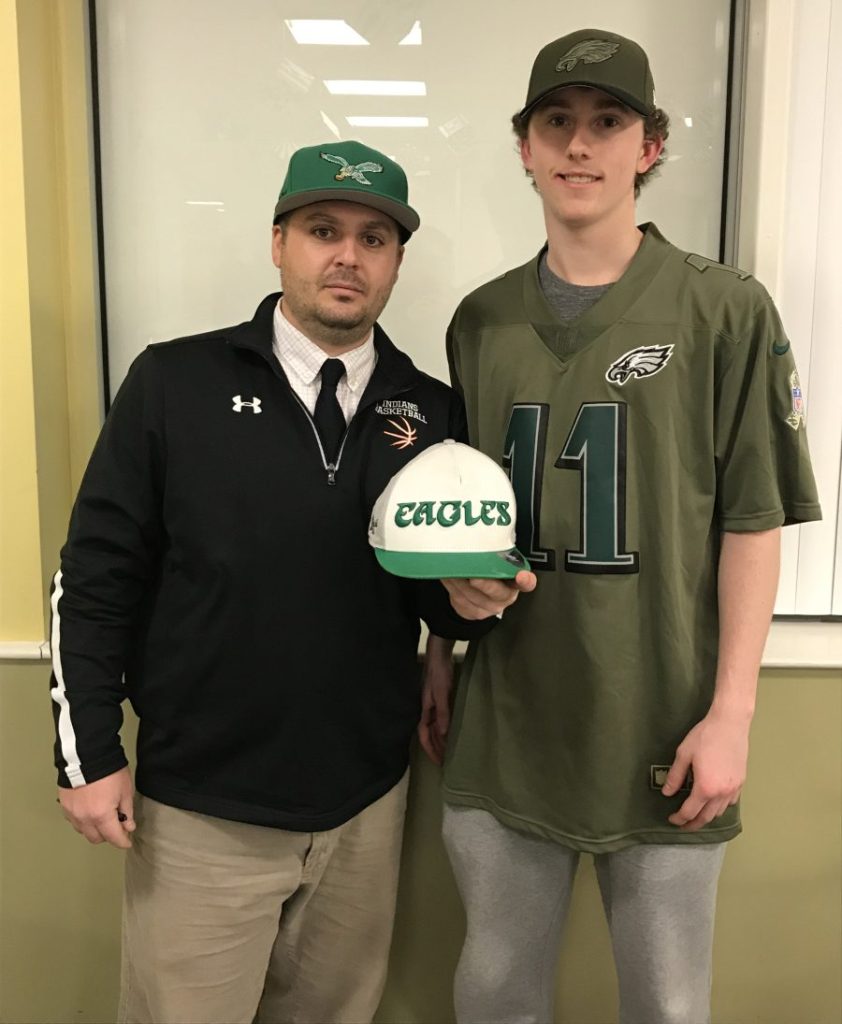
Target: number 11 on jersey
[(596, 449)]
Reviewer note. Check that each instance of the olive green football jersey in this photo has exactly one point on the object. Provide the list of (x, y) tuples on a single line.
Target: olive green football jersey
[(678, 416)]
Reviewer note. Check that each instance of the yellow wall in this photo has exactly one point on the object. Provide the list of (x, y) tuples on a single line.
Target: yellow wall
[(54, 929), (49, 384), (778, 957), (21, 615), (59, 251)]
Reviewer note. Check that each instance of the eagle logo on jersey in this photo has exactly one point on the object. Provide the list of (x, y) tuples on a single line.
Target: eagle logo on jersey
[(645, 361), (798, 414), (406, 435), (353, 171), (591, 51)]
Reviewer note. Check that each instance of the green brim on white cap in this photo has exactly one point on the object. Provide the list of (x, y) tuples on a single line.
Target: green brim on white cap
[(425, 565)]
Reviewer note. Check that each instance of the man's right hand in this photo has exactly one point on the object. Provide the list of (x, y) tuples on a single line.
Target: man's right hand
[(436, 687), (102, 811)]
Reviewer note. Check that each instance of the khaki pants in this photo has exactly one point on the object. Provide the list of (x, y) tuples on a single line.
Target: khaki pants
[(226, 922)]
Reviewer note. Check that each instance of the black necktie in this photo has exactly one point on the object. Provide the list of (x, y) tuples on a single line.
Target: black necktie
[(330, 421)]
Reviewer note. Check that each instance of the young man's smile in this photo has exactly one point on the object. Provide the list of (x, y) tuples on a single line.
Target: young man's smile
[(577, 179)]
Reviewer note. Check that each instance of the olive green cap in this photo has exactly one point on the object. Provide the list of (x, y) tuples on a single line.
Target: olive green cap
[(349, 171), (598, 59)]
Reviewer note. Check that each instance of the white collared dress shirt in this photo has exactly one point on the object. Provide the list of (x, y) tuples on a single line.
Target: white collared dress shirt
[(301, 360)]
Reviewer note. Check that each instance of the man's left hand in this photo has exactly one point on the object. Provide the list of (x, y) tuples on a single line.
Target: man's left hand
[(482, 598), (717, 751)]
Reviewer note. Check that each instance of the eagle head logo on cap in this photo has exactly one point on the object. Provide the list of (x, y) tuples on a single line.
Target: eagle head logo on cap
[(591, 51)]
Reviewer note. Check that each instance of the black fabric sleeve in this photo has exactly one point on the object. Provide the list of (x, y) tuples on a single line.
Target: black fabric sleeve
[(108, 568), (435, 609), (452, 361), (458, 421), (434, 605)]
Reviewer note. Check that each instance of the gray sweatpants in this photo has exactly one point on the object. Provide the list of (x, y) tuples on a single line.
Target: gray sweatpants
[(659, 902)]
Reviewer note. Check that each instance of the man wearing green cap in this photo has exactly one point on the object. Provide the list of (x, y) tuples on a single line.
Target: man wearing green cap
[(217, 573), (647, 407)]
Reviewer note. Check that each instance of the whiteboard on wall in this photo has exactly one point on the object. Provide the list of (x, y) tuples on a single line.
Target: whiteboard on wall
[(203, 101)]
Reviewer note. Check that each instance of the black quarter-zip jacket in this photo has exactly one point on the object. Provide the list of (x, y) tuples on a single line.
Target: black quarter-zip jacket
[(217, 573)]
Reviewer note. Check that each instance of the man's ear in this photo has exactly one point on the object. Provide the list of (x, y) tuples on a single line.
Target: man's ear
[(277, 245), (649, 153), (526, 154)]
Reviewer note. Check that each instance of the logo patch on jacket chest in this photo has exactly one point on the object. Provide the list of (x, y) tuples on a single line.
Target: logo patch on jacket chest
[(240, 404), (403, 432), (394, 408)]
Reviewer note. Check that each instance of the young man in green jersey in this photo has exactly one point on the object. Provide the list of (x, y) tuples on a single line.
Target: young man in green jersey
[(647, 407)]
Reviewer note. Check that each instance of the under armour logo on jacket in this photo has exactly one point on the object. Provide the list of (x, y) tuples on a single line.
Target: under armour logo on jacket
[(239, 404)]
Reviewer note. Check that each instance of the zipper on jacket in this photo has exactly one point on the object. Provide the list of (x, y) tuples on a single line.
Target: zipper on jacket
[(331, 468)]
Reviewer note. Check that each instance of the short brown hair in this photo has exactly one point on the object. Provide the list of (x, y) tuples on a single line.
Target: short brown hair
[(655, 126)]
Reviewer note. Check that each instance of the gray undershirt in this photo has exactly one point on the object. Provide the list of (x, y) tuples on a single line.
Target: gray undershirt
[(568, 301)]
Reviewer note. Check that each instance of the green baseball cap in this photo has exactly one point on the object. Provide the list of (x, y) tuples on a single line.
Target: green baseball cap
[(349, 171), (601, 60)]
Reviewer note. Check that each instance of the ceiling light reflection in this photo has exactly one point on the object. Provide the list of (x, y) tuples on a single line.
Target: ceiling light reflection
[(364, 87), (413, 37), (331, 127), (296, 76), (358, 121), (324, 32)]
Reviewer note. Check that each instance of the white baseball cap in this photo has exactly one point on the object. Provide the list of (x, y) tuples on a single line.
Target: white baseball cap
[(449, 513)]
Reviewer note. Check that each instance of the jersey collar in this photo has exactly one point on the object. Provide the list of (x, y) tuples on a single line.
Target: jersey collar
[(613, 307)]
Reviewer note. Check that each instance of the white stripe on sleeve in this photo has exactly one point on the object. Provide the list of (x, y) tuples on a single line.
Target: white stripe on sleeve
[(67, 737)]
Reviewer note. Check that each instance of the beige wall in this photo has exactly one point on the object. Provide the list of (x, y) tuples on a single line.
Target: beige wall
[(59, 897), (777, 954), (778, 946), (778, 957)]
